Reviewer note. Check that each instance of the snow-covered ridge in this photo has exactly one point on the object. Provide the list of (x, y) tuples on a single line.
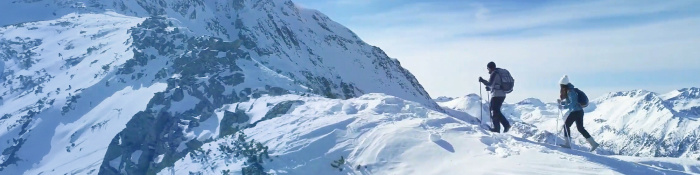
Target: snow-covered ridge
[(381, 134), (685, 93), (637, 123), (161, 68), (531, 101), (443, 99), (685, 101)]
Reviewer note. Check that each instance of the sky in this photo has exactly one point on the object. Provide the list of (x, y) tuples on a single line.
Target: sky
[(603, 46)]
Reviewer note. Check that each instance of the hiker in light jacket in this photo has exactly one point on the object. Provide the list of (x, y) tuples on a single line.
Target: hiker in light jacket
[(497, 98), (569, 100)]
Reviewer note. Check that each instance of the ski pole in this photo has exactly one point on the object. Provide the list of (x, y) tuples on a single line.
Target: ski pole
[(556, 129), (488, 95), (564, 126), (481, 110)]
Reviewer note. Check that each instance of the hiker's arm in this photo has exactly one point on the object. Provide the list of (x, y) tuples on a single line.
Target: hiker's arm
[(492, 80)]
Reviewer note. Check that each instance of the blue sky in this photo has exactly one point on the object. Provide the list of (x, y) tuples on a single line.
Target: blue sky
[(604, 46)]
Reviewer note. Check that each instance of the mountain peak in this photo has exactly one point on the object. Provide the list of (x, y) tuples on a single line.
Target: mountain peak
[(685, 101), (630, 93), (685, 93), (692, 92), (443, 99), (641, 98), (531, 101)]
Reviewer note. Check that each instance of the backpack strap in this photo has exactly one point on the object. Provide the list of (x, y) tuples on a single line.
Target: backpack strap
[(500, 78)]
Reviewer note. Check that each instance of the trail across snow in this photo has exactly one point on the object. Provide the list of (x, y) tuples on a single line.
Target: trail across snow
[(635, 123), (381, 134)]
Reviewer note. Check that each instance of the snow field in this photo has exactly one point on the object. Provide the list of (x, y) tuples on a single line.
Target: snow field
[(387, 135)]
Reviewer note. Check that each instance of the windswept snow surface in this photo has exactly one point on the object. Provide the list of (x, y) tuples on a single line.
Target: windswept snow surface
[(634, 123), (381, 134)]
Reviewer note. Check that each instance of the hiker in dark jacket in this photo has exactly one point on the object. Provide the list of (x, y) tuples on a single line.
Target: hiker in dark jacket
[(497, 98), (569, 100)]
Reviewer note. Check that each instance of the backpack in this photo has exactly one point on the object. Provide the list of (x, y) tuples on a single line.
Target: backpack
[(582, 98), (507, 81)]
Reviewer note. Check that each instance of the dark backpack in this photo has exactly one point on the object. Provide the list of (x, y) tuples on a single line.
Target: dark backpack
[(582, 97), (507, 81)]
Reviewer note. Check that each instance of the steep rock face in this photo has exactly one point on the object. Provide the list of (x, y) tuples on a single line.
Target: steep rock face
[(132, 86)]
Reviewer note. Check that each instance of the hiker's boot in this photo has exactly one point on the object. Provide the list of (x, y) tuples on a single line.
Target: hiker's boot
[(594, 144), (567, 143)]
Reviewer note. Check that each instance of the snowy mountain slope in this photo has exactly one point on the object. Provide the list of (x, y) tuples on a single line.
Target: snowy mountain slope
[(302, 44), (684, 101), (89, 88), (49, 68), (651, 126), (381, 134), (636, 123)]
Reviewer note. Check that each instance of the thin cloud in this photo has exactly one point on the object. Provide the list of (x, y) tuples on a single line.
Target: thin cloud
[(444, 42)]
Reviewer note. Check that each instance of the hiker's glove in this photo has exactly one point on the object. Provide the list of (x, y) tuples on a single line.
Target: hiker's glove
[(488, 88), (482, 80), (560, 104)]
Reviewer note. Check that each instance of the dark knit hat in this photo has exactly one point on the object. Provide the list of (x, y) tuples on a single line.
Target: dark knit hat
[(491, 65)]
